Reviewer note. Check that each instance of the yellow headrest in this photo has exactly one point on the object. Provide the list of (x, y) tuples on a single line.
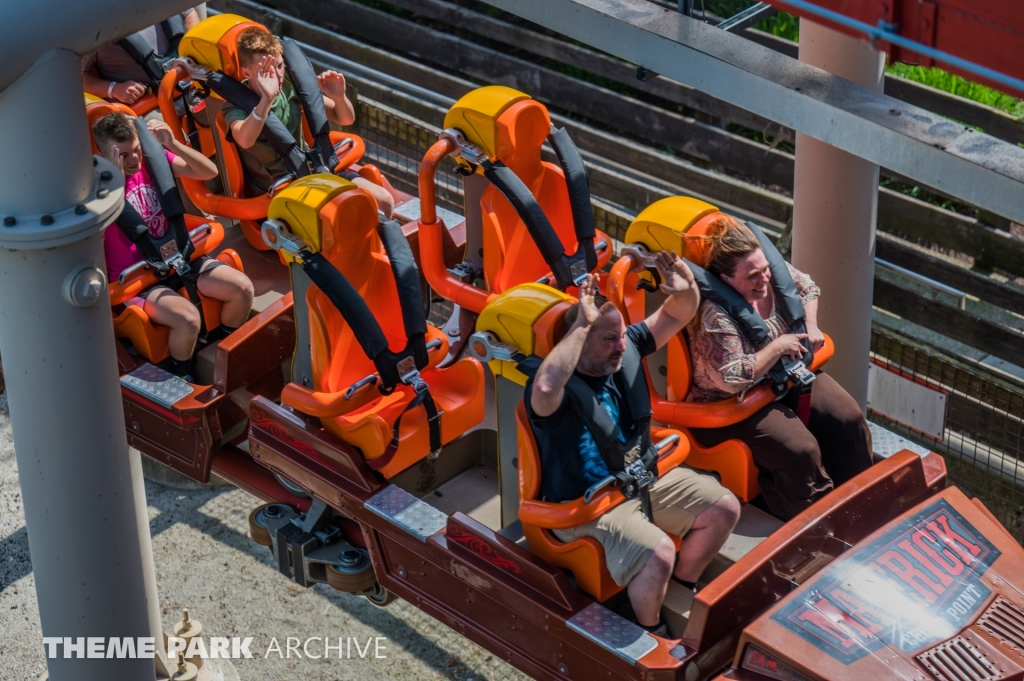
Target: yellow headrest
[(92, 99), (511, 317), (299, 204), (213, 42), (661, 226), (476, 115)]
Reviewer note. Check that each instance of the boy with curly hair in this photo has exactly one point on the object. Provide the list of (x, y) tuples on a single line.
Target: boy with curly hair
[(261, 58)]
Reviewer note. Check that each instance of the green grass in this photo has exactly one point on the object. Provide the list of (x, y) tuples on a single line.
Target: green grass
[(788, 26), (948, 82), (782, 24)]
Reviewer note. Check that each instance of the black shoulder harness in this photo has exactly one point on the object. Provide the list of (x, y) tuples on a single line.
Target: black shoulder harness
[(393, 368), (308, 91), (605, 431), (146, 56), (787, 301), (132, 224), (568, 270)]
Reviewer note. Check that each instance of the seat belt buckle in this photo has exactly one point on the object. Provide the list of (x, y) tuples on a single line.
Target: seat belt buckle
[(179, 264), (409, 375), (643, 477), (174, 259), (635, 478), (800, 374), (578, 271)]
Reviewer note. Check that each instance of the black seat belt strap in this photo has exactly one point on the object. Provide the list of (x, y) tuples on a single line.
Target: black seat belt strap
[(433, 428), (135, 228), (578, 185), (371, 338), (537, 223), (354, 309), (410, 294), (163, 178), (303, 78), (274, 131)]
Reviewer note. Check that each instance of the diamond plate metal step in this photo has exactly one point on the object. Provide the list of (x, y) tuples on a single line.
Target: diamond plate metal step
[(158, 385), (408, 512), (613, 632)]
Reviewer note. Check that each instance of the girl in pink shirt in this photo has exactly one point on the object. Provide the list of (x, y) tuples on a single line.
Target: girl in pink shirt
[(142, 194), (117, 140)]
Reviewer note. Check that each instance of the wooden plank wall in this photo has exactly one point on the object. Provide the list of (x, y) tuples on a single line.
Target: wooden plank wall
[(624, 138)]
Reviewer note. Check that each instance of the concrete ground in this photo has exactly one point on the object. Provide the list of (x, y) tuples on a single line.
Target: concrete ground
[(205, 561)]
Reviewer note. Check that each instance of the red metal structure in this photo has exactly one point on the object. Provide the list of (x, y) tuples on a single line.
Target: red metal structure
[(989, 34)]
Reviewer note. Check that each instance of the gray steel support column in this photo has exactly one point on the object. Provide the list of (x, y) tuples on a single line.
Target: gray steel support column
[(156, 628), (835, 207), (84, 530)]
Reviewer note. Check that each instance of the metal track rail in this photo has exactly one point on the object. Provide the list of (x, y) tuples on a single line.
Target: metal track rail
[(954, 159)]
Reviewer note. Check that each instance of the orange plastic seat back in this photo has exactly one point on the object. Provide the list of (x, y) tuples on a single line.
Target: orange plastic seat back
[(509, 127), (332, 216), (510, 255), (357, 252), (213, 43)]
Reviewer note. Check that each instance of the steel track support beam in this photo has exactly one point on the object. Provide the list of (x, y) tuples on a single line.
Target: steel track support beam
[(835, 208), (85, 504), (939, 153)]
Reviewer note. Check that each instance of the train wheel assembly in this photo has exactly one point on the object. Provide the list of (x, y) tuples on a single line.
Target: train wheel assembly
[(378, 595), (353, 573), (258, 523)]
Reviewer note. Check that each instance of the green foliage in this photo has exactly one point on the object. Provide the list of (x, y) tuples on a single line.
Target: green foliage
[(788, 26), (928, 197), (783, 25), (948, 82)]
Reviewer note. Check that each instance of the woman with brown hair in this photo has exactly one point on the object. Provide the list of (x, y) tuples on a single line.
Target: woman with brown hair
[(798, 463)]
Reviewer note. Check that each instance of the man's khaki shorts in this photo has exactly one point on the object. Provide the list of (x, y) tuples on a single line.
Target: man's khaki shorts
[(628, 539)]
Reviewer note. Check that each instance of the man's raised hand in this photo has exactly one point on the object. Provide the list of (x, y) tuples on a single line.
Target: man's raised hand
[(676, 277), (589, 312)]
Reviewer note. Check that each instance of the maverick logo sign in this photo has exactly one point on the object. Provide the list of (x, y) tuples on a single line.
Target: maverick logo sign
[(917, 584)]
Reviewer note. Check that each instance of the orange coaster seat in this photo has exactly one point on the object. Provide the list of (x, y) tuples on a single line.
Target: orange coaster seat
[(510, 255), (529, 318), (505, 127), (335, 218), (675, 224), (213, 44)]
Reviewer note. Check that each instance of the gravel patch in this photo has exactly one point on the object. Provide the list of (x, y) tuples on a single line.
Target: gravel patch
[(205, 561)]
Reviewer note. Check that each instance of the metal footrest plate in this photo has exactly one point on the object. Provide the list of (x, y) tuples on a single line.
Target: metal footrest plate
[(886, 443), (408, 512), (158, 385), (613, 632)]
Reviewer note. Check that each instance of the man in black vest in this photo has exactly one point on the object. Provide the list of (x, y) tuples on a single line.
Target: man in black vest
[(598, 349)]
